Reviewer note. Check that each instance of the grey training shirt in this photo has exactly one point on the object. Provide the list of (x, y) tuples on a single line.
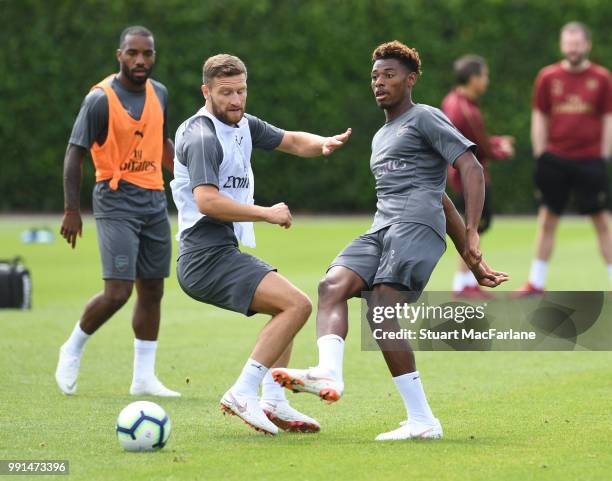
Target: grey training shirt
[(200, 151), (91, 126), (410, 155)]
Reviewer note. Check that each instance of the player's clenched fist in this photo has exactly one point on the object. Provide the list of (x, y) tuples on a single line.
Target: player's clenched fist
[(279, 214)]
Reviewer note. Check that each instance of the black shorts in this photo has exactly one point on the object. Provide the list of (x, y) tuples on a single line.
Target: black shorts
[(487, 209), (556, 178)]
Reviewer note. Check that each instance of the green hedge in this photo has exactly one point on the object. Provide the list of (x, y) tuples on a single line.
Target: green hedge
[(309, 64)]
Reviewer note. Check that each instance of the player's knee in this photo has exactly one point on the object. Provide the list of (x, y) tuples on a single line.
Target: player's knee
[(118, 295), (152, 292), (330, 289), (549, 222), (302, 308), (549, 226)]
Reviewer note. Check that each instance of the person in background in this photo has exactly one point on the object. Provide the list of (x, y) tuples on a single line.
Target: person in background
[(123, 122), (571, 135)]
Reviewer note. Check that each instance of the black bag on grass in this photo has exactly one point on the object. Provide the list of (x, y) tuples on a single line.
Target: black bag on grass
[(15, 285)]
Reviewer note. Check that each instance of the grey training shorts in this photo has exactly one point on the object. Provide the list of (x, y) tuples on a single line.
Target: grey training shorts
[(222, 276), (404, 253), (137, 246)]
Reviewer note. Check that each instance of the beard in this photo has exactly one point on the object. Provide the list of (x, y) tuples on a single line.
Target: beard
[(222, 115), (136, 80)]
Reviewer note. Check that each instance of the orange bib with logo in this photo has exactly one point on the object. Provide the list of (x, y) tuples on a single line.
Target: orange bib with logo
[(133, 148)]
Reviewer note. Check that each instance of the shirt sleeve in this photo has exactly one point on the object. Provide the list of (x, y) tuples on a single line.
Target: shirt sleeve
[(202, 154), (264, 135), (442, 135), (91, 124), (541, 94)]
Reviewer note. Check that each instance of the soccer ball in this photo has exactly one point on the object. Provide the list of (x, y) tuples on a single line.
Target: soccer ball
[(143, 426)]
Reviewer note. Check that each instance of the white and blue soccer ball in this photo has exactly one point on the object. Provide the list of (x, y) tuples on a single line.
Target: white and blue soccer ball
[(143, 426)]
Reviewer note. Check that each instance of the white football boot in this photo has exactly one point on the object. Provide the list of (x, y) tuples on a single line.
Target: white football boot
[(151, 387), (288, 418), (67, 371), (412, 430), (310, 380), (249, 410)]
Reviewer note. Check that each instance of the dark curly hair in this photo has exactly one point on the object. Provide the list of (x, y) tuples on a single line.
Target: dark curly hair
[(409, 57)]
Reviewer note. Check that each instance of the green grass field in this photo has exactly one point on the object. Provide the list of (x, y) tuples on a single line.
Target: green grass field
[(506, 415)]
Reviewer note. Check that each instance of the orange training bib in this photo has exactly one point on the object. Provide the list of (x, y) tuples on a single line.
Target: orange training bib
[(133, 148)]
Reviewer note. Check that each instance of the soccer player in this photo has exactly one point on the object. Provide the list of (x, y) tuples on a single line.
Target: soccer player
[(571, 135), (461, 107), (410, 154), (122, 122), (213, 191)]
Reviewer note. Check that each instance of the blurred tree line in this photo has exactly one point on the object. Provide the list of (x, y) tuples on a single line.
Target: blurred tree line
[(309, 66)]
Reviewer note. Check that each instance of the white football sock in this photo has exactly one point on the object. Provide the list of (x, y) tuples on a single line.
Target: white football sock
[(610, 272), (458, 281), (331, 354), (410, 387), (537, 275), (76, 342), (469, 280), (250, 378), (271, 390), (144, 360)]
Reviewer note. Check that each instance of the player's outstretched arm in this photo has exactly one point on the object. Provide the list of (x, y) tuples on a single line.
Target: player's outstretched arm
[(72, 225), (212, 203), (455, 228), (304, 144)]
